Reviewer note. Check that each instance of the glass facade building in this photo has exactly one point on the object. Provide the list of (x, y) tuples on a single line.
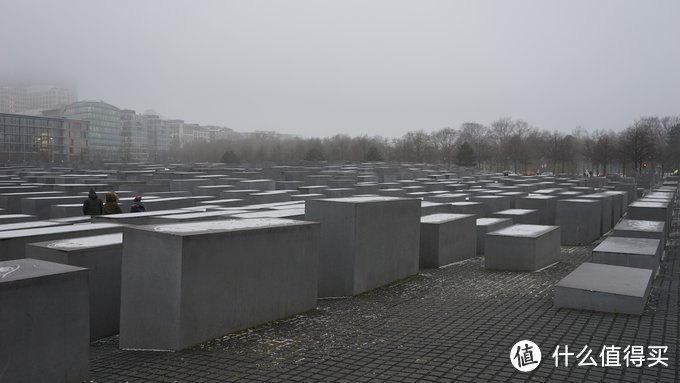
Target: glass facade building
[(106, 125), (134, 139), (35, 139)]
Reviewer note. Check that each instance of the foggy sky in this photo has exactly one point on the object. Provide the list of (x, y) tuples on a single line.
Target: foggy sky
[(318, 68)]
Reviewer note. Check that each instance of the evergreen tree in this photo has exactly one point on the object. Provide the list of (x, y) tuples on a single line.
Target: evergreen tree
[(314, 154), (229, 157), (466, 155), (373, 155)]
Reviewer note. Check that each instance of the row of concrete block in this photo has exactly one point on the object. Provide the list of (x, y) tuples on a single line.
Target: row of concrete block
[(620, 274)]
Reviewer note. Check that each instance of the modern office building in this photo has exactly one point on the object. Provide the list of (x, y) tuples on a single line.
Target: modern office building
[(134, 137), (33, 139), (106, 127)]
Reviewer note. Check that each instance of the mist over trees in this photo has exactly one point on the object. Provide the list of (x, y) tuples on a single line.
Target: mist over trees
[(648, 144)]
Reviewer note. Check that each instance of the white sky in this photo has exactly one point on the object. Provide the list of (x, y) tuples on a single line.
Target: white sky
[(319, 68)]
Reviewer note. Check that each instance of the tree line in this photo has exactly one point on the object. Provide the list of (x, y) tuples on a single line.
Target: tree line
[(648, 144)]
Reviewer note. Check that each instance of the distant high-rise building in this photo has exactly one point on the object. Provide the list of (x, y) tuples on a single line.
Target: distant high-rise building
[(216, 133), (175, 129), (15, 98)]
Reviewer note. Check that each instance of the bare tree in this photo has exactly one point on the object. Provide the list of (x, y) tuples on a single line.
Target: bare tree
[(639, 143), (444, 142)]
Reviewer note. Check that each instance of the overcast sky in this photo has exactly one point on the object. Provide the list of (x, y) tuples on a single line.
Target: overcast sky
[(318, 68)]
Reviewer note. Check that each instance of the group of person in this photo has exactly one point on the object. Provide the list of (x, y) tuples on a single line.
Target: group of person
[(93, 205)]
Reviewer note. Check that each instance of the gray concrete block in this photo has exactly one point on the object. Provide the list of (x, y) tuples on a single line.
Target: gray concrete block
[(619, 206), (212, 190), (365, 242), (545, 204), (183, 284), (233, 202), (568, 194), (188, 184), (191, 217), (634, 228), (16, 218), (338, 192), (649, 211), (519, 216), (13, 242), (41, 206), (44, 322), (606, 221), (297, 213), (606, 288), (142, 218), (305, 197), (486, 225), (447, 238), (579, 220), (446, 197), (312, 189), (366, 188), (428, 208), (514, 197), (644, 253), (288, 185), (29, 225), (173, 202), (522, 247), (270, 196), (492, 203), (257, 184), (101, 255), (12, 201), (468, 207), (630, 189)]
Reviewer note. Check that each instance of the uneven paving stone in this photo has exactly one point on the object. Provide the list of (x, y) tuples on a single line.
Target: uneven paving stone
[(453, 324)]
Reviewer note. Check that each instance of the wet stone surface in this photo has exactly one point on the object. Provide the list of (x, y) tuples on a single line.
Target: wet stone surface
[(453, 324)]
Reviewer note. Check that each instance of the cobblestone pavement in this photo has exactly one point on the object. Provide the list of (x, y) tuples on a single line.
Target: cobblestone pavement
[(454, 324)]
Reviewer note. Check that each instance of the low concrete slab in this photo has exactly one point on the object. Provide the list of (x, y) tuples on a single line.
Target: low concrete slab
[(642, 253), (606, 288), (519, 216), (522, 247), (635, 228), (13, 242)]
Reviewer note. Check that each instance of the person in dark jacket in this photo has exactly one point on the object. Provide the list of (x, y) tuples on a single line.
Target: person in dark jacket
[(111, 206), (137, 206), (92, 204)]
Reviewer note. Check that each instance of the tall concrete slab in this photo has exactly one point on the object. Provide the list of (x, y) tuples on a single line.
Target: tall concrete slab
[(101, 255), (447, 238), (487, 225), (44, 322), (366, 242), (579, 220), (183, 284)]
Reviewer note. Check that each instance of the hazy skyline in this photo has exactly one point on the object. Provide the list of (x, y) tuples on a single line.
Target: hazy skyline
[(319, 68)]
